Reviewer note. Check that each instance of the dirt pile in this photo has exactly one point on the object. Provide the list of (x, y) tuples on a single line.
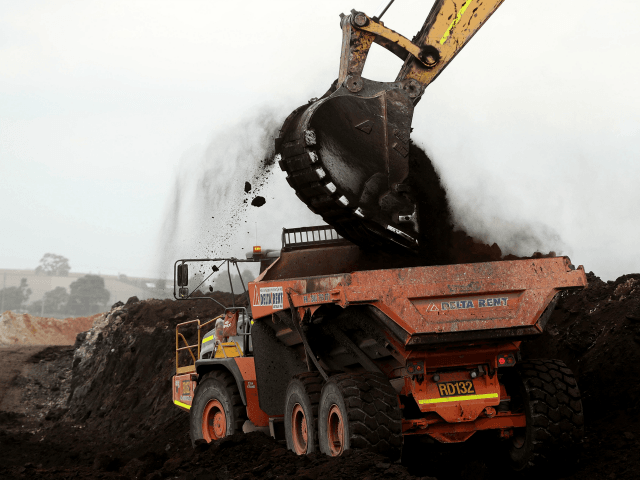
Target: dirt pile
[(106, 409), (25, 329), (41, 389), (15, 361), (597, 334)]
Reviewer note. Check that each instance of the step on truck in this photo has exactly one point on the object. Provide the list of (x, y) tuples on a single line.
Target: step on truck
[(332, 354)]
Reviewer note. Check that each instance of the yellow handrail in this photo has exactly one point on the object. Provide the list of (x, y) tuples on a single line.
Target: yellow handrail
[(189, 347)]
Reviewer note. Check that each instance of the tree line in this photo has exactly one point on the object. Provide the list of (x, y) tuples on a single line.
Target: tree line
[(86, 296)]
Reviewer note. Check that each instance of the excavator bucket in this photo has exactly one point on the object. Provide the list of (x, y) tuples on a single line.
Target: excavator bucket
[(348, 154), (347, 159)]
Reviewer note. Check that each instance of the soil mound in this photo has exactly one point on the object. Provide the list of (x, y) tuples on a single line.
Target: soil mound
[(24, 329), (112, 416)]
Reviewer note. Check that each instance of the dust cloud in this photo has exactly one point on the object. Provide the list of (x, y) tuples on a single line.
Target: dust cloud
[(212, 211), (488, 221), (477, 210), (209, 201)]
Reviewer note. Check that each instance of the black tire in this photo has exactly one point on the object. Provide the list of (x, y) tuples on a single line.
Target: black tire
[(548, 393), (217, 386), (368, 407), (303, 391)]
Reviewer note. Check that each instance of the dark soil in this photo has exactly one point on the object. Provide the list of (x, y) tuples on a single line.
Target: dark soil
[(106, 409)]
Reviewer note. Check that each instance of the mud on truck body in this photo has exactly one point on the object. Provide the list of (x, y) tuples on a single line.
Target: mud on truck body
[(332, 355)]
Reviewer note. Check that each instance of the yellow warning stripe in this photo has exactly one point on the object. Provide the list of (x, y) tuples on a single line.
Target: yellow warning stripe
[(180, 404), (455, 21), (206, 339), (455, 399)]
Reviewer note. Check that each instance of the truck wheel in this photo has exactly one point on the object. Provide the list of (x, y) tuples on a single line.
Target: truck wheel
[(301, 412), (359, 411), (217, 410), (548, 393)]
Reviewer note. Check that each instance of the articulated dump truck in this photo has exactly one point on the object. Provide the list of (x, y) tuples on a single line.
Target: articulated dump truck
[(332, 354)]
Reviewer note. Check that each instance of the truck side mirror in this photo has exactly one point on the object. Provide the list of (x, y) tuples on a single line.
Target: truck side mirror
[(183, 275)]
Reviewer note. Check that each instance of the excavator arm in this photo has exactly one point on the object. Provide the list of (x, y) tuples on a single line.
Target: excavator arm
[(449, 27), (347, 154)]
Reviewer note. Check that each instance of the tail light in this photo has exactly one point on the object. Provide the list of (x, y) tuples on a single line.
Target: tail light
[(506, 360)]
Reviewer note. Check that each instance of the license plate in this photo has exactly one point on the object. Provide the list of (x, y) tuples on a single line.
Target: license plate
[(449, 389)]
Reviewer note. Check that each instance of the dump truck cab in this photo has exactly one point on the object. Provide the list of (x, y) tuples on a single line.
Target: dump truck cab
[(220, 348)]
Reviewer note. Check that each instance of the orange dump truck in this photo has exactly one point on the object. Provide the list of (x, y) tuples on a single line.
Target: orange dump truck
[(333, 354)]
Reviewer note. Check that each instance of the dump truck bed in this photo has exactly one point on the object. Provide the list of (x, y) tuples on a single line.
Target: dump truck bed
[(435, 304)]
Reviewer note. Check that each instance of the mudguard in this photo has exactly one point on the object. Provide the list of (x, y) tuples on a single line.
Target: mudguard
[(205, 366)]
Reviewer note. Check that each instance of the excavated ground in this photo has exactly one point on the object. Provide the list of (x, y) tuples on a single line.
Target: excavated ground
[(25, 329), (102, 408)]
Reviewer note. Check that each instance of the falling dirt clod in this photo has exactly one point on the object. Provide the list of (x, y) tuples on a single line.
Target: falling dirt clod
[(258, 201)]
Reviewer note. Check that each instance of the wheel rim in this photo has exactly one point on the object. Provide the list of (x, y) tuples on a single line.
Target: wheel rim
[(214, 421), (299, 427), (335, 431)]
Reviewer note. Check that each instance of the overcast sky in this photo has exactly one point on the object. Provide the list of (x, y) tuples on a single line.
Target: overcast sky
[(106, 108)]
